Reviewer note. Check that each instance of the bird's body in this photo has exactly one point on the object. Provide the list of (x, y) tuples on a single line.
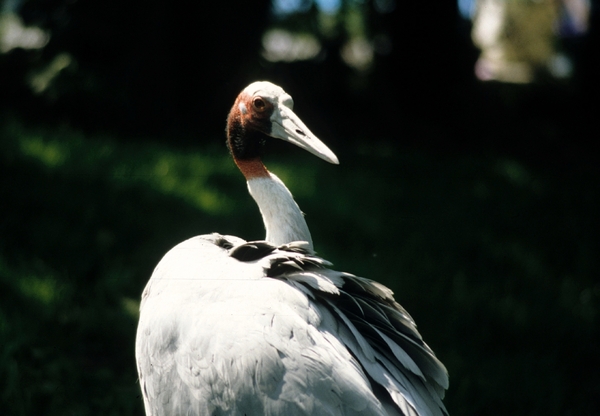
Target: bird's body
[(267, 328)]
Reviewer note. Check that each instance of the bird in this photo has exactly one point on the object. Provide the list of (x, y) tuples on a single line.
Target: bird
[(267, 327)]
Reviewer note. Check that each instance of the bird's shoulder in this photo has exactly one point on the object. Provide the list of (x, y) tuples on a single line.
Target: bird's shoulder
[(260, 344), (238, 312), (375, 328)]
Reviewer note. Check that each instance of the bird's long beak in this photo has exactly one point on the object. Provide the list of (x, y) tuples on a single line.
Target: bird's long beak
[(286, 125)]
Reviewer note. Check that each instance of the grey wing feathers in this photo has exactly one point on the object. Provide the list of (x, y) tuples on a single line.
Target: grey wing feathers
[(370, 358), (375, 328), (217, 336)]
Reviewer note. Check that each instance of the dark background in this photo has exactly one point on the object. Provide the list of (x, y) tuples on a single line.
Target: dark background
[(475, 202)]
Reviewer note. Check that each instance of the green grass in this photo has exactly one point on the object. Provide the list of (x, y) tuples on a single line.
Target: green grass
[(495, 259)]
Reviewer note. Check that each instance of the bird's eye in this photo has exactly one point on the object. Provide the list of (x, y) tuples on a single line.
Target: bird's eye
[(259, 104)]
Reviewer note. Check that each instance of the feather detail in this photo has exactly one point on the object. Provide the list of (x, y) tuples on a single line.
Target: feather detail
[(373, 326)]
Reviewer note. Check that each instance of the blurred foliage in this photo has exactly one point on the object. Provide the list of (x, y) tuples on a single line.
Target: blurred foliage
[(476, 203), (495, 259), (170, 69), (136, 66)]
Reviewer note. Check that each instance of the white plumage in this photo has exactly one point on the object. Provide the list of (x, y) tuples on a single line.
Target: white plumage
[(282, 217), (267, 328)]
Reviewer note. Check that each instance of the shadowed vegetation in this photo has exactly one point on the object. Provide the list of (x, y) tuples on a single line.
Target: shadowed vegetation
[(477, 203), (494, 258)]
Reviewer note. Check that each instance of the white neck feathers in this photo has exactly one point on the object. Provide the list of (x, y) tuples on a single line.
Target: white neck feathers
[(282, 217)]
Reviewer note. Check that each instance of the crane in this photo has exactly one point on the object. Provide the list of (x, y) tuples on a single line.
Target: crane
[(229, 327)]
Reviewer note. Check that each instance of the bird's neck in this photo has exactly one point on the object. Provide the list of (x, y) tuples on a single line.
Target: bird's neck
[(252, 168), (282, 217)]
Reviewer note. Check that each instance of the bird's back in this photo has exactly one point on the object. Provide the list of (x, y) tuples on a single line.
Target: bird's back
[(218, 337)]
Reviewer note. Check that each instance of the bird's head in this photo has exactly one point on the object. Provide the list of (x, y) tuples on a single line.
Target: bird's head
[(263, 108)]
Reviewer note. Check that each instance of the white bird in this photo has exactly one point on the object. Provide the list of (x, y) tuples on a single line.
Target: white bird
[(229, 327)]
